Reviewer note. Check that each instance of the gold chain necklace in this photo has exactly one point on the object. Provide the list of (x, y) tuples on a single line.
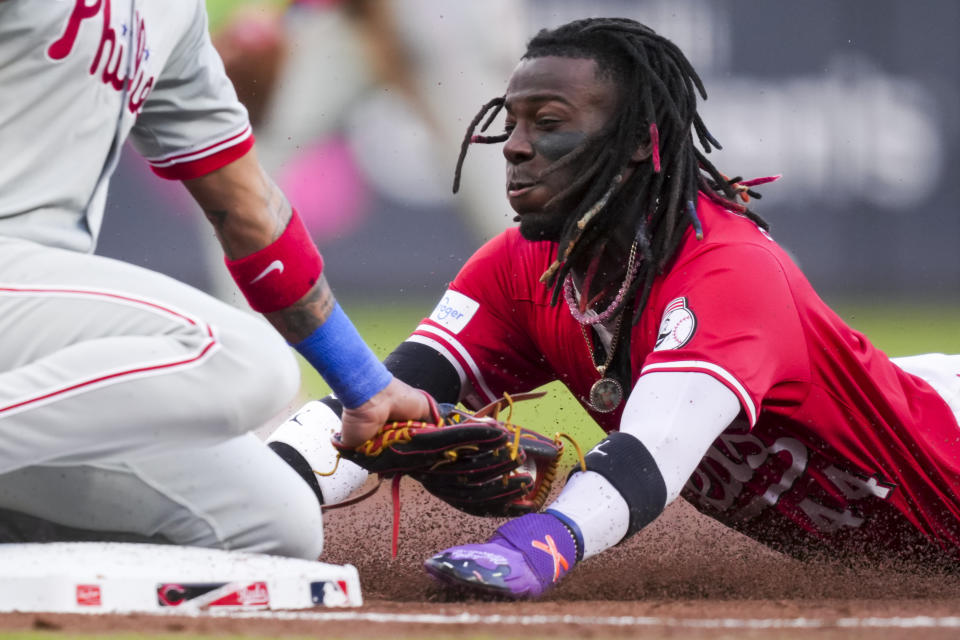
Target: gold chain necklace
[(606, 394)]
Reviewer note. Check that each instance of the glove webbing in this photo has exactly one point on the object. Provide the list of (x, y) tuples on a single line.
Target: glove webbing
[(550, 473)]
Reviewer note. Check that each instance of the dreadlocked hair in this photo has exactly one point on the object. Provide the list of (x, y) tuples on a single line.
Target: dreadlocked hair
[(658, 108)]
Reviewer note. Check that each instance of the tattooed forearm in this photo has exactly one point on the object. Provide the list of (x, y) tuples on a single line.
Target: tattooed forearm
[(247, 209), (241, 234), (218, 218), (299, 320), (249, 212), (275, 202)]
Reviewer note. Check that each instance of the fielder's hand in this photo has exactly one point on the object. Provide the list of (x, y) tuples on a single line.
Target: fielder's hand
[(473, 461), (397, 402)]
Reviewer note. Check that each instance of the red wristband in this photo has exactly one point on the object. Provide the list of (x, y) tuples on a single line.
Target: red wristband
[(278, 275)]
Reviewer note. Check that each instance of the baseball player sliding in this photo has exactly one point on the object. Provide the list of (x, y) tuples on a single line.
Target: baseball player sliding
[(127, 398), (640, 278)]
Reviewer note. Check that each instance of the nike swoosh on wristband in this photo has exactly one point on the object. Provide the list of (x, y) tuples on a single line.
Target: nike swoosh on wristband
[(276, 265)]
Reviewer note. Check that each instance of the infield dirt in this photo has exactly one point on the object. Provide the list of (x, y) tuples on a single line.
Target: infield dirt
[(683, 567)]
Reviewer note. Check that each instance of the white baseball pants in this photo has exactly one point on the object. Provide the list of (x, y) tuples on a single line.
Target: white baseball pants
[(126, 402)]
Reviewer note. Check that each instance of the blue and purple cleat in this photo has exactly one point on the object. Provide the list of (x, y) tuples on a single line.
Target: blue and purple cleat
[(492, 568), (523, 559)]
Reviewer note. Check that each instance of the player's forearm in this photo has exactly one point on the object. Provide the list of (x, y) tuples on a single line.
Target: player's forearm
[(278, 268), (669, 421), (247, 210), (664, 404), (249, 213), (303, 317)]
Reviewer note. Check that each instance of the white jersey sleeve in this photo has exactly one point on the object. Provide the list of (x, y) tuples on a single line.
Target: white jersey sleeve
[(191, 122), (677, 415)]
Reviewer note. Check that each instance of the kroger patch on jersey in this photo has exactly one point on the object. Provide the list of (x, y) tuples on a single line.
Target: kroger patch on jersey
[(454, 311), (677, 326)]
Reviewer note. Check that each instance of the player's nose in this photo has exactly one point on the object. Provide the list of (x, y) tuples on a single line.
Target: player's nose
[(518, 146)]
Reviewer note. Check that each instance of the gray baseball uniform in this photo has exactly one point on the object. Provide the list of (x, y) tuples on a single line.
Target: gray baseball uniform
[(126, 398)]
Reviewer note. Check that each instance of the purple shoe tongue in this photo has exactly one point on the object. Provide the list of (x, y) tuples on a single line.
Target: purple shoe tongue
[(544, 541)]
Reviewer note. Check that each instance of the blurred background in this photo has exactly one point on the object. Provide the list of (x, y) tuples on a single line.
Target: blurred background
[(360, 106)]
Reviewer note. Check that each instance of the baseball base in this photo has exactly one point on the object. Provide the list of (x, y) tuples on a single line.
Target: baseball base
[(108, 577)]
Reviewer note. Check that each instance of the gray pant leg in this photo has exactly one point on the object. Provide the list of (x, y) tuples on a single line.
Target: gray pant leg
[(118, 388), (101, 360), (234, 495)]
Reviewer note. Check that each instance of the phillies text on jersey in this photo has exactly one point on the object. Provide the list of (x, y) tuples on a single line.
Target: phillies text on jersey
[(86, 75)]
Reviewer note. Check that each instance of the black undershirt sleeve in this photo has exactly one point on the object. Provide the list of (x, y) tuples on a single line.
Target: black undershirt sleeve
[(424, 368), (420, 367)]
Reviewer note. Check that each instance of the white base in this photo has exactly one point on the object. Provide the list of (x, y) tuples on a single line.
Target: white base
[(113, 577)]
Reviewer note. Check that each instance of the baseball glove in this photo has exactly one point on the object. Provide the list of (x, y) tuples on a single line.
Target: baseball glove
[(508, 481), (473, 461)]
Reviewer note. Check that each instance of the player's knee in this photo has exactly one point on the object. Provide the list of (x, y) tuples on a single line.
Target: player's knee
[(295, 528), (262, 375), (288, 527), (248, 499), (276, 382)]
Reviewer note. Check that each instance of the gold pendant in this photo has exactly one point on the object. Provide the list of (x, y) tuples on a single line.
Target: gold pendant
[(606, 394)]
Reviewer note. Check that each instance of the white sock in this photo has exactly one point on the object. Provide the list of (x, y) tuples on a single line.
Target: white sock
[(309, 431), (597, 508)]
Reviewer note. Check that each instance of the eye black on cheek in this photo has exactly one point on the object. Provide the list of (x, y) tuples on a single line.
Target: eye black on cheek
[(553, 145)]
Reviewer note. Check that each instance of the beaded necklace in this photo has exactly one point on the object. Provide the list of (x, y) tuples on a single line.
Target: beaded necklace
[(632, 266), (606, 394)]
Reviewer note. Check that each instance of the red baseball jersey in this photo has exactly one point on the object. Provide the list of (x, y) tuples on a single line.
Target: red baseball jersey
[(836, 448)]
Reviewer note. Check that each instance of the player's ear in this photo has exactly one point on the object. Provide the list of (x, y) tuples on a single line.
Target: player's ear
[(643, 153)]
